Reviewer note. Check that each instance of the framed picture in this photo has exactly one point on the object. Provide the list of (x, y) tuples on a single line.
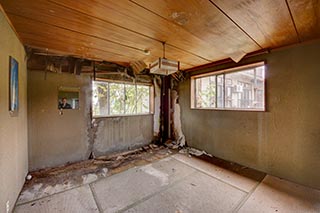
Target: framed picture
[(13, 85)]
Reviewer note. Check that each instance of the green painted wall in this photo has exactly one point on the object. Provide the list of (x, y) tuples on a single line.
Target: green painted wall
[(13, 129), (285, 140)]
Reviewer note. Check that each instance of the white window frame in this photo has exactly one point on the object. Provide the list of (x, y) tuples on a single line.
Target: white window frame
[(223, 72), (151, 98)]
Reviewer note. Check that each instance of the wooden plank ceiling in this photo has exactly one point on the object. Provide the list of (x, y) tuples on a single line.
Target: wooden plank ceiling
[(196, 32)]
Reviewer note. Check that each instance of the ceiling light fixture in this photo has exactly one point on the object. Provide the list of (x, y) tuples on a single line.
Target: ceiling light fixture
[(164, 66)]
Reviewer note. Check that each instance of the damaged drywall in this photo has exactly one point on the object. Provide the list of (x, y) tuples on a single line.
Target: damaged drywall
[(92, 135), (121, 133), (176, 112), (56, 139), (157, 103)]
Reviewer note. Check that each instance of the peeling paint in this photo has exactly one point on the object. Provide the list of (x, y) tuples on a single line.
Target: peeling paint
[(157, 102), (92, 135), (177, 129)]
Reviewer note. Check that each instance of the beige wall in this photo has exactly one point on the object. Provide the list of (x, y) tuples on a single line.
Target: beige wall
[(58, 139), (285, 140), (13, 130)]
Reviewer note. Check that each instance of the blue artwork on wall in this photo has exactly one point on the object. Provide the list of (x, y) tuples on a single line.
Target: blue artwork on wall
[(13, 85)]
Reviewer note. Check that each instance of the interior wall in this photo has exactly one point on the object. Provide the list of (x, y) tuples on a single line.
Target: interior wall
[(56, 139), (122, 133), (284, 140), (13, 129)]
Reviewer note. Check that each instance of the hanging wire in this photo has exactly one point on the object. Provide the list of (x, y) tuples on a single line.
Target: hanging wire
[(164, 49)]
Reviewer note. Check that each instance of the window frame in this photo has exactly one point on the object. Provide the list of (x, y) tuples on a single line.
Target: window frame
[(151, 97), (216, 73)]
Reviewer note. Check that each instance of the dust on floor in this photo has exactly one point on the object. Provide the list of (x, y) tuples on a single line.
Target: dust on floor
[(50, 181)]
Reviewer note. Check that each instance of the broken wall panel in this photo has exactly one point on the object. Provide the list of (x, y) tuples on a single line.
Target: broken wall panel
[(122, 133), (56, 139)]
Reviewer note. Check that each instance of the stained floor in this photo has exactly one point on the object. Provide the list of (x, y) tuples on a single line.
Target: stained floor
[(179, 183)]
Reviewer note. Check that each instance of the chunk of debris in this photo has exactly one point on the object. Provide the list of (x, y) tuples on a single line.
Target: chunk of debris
[(120, 157), (29, 177), (153, 146), (104, 172), (183, 151), (89, 178), (171, 144), (193, 151), (145, 148)]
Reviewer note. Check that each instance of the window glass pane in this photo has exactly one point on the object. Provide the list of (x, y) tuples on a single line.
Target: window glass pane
[(130, 99), (259, 88), (116, 98), (242, 88), (120, 99), (220, 91), (206, 92), (143, 99), (99, 98), (245, 89)]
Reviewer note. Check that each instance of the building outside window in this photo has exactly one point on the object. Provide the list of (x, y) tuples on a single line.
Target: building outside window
[(241, 88)]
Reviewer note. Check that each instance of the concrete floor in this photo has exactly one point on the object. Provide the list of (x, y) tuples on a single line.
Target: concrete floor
[(180, 184)]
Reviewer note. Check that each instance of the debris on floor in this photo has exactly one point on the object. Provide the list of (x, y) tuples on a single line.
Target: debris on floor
[(49, 181), (193, 151), (184, 149), (171, 144), (53, 180)]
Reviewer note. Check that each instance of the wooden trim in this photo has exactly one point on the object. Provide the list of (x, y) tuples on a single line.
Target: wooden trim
[(151, 96), (224, 71), (231, 109), (228, 70), (122, 81), (124, 115)]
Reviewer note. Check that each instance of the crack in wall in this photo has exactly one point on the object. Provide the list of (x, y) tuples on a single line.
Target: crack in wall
[(92, 135)]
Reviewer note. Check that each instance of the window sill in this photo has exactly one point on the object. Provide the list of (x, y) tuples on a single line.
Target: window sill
[(117, 116), (231, 109)]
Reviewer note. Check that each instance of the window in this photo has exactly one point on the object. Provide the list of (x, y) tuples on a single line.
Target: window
[(115, 99), (241, 88)]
